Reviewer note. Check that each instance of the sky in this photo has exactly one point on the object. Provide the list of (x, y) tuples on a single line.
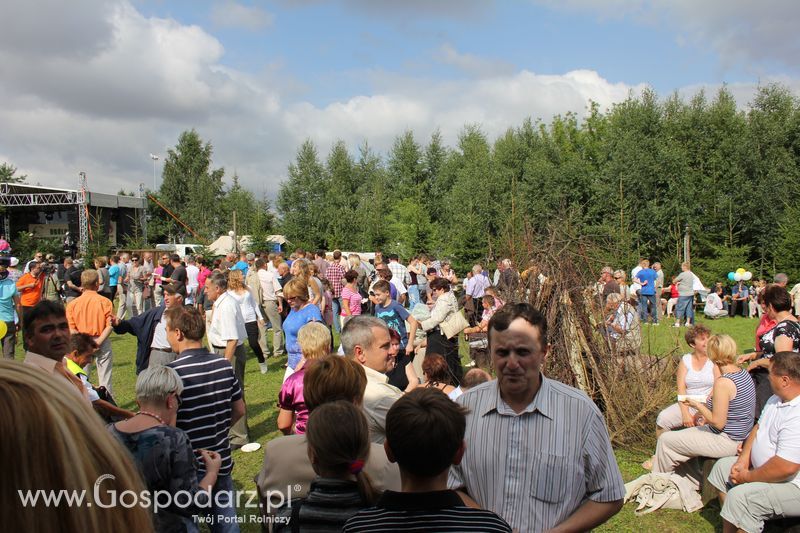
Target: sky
[(99, 85)]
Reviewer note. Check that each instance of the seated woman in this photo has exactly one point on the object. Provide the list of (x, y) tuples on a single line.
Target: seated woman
[(437, 375), (163, 452), (314, 340), (714, 307), (51, 440), (398, 367), (728, 414), (338, 447), (695, 376), (622, 325)]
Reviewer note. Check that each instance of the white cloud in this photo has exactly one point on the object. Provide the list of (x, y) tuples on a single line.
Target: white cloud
[(231, 14), (129, 87), (743, 32)]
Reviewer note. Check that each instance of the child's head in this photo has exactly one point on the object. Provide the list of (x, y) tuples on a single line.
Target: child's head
[(488, 301), (338, 443), (82, 347), (382, 291), (425, 433)]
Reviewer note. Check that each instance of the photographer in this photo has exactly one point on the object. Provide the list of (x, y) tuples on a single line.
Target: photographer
[(52, 283), (30, 288), (71, 280), (9, 302)]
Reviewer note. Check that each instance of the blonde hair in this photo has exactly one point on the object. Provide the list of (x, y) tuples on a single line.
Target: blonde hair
[(721, 350), (315, 340), (235, 280), (303, 269), (296, 288), (51, 440), (89, 278)]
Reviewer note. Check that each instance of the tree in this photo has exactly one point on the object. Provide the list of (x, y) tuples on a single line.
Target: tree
[(301, 197), (191, 189), (7, 174)]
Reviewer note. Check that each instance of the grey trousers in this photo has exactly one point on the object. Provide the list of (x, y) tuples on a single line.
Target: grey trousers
[(104, 365), (239, 431), (161, 358), (10, 340), (271, 310)]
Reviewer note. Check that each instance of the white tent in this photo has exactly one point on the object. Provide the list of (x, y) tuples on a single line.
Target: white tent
[(224, 244)]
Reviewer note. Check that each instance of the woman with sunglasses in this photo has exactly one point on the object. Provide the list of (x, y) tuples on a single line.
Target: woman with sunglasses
[(163, 452), (301, 312)]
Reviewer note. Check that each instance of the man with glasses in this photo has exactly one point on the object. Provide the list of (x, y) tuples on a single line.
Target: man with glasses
[(38, 257)]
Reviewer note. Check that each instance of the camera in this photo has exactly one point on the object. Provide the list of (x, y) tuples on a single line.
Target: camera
[(47, 268)]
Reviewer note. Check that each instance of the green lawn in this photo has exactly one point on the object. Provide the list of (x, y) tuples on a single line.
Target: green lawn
[(262, 392)]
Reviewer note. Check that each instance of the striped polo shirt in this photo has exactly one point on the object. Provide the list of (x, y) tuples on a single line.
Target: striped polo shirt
[(741, 410), (441, 511), (536, 468), (209, 389)]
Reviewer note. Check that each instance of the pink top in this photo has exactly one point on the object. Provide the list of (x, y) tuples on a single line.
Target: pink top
[(764, 325), (354, 297), (202, 276), (157, 274), (291, 398)]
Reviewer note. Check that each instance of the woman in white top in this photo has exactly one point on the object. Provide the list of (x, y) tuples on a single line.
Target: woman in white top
[(251, 312), (695, 377)]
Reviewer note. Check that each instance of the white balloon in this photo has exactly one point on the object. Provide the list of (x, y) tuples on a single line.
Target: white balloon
[(747, 276), (737, 277)]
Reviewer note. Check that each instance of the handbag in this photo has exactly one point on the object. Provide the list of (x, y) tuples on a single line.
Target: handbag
[(454, 324)]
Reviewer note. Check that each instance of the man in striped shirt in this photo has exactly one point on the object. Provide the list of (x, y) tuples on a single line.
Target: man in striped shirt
[(211, 402), (424, 436), (538, 452)]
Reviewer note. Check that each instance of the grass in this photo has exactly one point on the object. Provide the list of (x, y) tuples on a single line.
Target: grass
[(262, 391)]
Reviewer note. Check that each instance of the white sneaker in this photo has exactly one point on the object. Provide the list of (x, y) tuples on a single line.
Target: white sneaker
[(676, 325), (688, 325), (264, 367)]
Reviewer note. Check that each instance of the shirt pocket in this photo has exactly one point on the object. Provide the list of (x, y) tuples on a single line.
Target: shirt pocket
[(555, 478)]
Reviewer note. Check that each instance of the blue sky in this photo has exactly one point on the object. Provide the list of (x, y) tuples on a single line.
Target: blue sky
[(97, 85)]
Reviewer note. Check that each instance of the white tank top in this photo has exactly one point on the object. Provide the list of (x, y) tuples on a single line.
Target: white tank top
[(699, 382)]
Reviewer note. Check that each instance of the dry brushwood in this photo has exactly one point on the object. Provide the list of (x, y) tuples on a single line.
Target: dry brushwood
[(630, 388)]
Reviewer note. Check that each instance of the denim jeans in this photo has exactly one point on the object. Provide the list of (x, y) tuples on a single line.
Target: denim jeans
[(685, 310), (227, 508), (337, 310), (644, 301), (413, 296)]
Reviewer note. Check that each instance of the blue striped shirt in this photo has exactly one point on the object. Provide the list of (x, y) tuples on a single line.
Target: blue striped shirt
[(209, 389), (536, 468), (741, 410)]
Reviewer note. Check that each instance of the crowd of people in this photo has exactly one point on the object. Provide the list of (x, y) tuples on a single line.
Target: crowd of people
[(382, 430)]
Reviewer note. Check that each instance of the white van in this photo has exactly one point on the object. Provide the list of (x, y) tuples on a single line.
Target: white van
[(181, 249)]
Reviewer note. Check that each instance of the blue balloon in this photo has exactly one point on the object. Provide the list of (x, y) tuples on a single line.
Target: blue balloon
[(732, 276)]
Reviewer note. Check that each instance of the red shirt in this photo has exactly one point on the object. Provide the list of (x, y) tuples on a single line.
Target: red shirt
[(764, 325), (336, 278)]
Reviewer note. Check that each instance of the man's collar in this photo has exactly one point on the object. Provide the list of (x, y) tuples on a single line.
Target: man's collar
[(374, 375), (541, 401), (791, 403)]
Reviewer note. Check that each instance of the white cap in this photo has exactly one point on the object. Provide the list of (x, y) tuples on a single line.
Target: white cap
[(14, 261)]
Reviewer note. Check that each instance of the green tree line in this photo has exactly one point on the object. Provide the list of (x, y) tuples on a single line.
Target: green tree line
[(635, 175)]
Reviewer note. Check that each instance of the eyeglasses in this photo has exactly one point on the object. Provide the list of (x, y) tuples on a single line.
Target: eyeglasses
[(134, 260)]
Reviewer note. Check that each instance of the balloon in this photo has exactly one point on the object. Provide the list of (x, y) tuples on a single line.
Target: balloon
[(3, 329), (740, 271), (731, 276), (737, 277), (747, 276)]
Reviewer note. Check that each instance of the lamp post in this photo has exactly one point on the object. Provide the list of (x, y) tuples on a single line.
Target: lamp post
[(154, 157)]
